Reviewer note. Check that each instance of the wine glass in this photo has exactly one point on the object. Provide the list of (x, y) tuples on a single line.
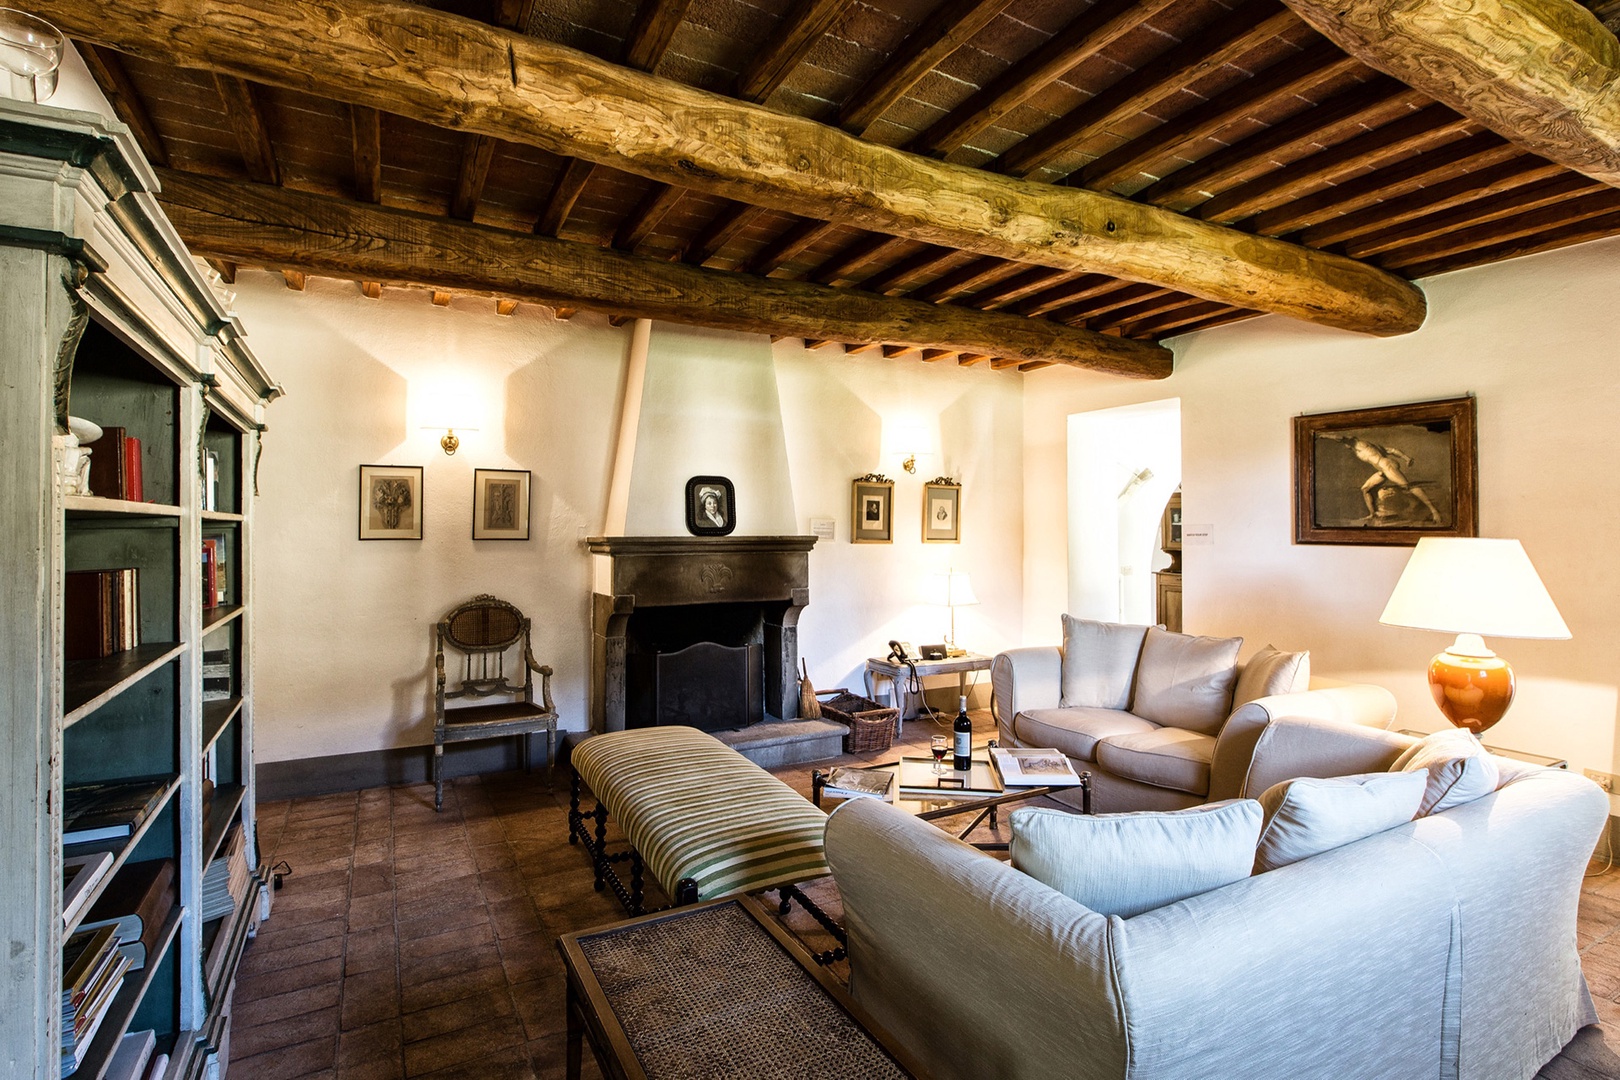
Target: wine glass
[(937, 746)]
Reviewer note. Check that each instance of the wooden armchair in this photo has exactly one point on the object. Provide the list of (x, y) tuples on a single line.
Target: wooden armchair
[(484, 630)]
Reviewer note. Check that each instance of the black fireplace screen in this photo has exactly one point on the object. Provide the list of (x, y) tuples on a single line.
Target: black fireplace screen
[(707, 686)]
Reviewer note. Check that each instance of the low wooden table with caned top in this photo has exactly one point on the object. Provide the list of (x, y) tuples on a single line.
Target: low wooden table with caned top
[(715, 989)]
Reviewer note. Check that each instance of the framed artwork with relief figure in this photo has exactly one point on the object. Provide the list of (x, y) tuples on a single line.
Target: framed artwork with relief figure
[(1389, 475), (500, 504), (390, 502), (942, 504), (872, 517)]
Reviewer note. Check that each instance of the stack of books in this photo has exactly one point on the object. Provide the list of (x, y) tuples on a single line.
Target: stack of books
[(115, 466), (133, 1058), (844, 782), (109, 809), (92, 971), (80, 876), (226, 880), (101, 612), (135, 905), (216, 582), (216, 674)]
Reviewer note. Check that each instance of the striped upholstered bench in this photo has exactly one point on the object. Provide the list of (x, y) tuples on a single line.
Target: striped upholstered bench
[(703, 819)]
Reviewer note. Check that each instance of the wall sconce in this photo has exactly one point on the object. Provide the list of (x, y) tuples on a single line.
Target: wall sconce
[(450, 412), (911, 442)]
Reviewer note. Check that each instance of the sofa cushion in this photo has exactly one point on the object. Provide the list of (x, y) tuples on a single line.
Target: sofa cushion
[(1308, 816), (1164, 757), (1099, 660), (1125, 864), (1459, 769), (1186, 681), (1271, 672), (1076, 732)]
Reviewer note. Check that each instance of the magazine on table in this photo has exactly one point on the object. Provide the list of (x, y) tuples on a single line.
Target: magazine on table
[(1033, 767), (844, 782)]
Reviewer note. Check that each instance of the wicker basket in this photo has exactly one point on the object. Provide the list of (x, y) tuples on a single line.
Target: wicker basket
[(871, 726)]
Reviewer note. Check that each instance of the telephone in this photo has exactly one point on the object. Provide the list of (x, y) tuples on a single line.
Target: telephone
[(900, 652)]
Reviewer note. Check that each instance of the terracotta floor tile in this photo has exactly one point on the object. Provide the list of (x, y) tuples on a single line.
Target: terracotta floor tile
[(370, 879), (286, 933), (379, 1042), (289, 979), (260, 961), (464, 1047), (456, 1015), (463, 938), (451, 988), (288, 1062), (438, 921), (368, 912), (371, 950), (249, 1010), (369, 999), (529, 958), (442, 965), (262, 1038), (542, 1005)]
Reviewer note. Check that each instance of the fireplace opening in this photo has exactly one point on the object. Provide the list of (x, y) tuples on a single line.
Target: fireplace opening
[(697, 664)]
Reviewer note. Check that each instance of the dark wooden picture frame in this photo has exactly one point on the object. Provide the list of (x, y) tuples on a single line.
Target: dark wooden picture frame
[(500, 504), (390, 502), (1387, 476), (942, 512), (871, 519), (711, 506)]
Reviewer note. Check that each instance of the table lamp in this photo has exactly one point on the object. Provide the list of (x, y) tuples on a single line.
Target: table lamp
[(1472, 587), (952, 589)]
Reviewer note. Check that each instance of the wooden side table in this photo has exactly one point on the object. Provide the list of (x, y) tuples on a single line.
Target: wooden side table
[(715, 989), (908, 702)]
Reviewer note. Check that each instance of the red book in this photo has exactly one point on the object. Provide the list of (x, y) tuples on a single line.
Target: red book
[(210, 573), (107, 478), (132, 469)]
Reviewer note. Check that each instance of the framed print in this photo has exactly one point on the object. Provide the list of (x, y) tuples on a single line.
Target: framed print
[(500, 504), (390, 502), (871, 520), (711, 506), (1389, 475), (942, 503)]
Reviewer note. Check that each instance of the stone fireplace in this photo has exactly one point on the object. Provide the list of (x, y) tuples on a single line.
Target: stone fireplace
[(696, 630)]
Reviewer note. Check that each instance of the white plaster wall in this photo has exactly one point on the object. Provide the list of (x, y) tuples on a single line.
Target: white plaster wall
[(344, 626), (1532, 340)]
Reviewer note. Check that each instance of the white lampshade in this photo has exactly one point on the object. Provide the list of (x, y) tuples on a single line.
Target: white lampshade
[(1471, 585), (952, 589)]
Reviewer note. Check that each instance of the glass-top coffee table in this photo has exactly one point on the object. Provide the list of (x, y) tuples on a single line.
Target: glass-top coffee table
[(929, 795)]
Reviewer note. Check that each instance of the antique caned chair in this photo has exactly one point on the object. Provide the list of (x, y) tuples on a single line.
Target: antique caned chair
[(484, 630)]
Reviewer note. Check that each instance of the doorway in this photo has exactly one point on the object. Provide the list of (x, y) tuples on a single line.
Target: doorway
[(1123, 465)]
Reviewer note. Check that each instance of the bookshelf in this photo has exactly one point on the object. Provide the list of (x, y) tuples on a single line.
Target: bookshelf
[(104, 316)]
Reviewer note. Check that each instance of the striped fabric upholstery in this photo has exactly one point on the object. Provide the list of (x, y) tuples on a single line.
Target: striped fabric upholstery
[(695, 808)]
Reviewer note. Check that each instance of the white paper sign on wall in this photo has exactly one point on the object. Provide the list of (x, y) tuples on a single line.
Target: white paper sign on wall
[(1197, 535), (822, 528)]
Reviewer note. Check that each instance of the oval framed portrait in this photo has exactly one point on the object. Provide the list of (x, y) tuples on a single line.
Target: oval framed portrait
[(711, 506)]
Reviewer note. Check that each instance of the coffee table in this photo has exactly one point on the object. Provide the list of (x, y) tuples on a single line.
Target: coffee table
[(947, 803)]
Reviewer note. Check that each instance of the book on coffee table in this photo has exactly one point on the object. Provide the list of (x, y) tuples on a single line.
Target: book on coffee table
[(1031, 767), (844, 782)]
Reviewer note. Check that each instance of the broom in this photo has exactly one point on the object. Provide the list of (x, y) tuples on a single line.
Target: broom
[(809, 707)]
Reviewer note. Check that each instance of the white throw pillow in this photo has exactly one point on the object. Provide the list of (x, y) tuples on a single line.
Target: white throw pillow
[(1271, 672), (1125, 864), (1308, 816), (1459, 769), (1099, 661), (1186, 681)]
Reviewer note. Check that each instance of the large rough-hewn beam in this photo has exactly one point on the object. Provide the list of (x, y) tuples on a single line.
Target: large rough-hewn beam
[(295, 230), (460, 74), (1542, 73)]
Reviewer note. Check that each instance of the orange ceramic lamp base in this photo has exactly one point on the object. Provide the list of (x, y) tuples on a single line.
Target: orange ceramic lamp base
[(1472, 685)]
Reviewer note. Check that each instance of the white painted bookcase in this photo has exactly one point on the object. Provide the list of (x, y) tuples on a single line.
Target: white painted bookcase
[(105, 315)]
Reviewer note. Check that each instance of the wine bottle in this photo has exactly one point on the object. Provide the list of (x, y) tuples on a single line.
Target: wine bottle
[(963, 729)]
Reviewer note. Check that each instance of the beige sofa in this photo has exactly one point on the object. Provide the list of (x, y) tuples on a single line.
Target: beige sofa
[(1155, 723), (1444, 947)]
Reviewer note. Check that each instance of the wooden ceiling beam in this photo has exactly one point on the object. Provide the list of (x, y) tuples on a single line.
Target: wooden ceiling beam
[(1542, 73), (1465, 155), (651, 32), (649, 212), (1015, 287), (1594, 228), (796, 35), (514, 14), (1104, 23), (225, 269), (953, 283), (1474, 213), (466, 75), (892, 277), (1123, 297), (476, 155), (941, 34), (278, 227), (295, 279), (1297, 77), (365, 125), (730, 221), (1432, 199), (854, 256), (505, 307), (790, 242), (371, 290), (1599, 200), (1065, 293), (1411, 134), (109, 73), (1122, 317), (564, 194), (1189, 312), (1369, 104), (1234, 37), (247, 124)]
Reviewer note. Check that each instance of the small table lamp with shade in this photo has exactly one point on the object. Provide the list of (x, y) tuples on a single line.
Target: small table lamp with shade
[(1473, 587), (951, 589)]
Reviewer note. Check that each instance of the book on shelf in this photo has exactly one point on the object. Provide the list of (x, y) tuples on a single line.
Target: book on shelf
[(115, 466), (919, 780), (100, 612), (135, 904), (84, 954), (210, 572), (844, 782), (222, 579), (216, 674), (133, 488), (79, 1026), (109, 809), (80, 875), (225, 882), (134, 1053), (210, 480), (1033, 767)]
